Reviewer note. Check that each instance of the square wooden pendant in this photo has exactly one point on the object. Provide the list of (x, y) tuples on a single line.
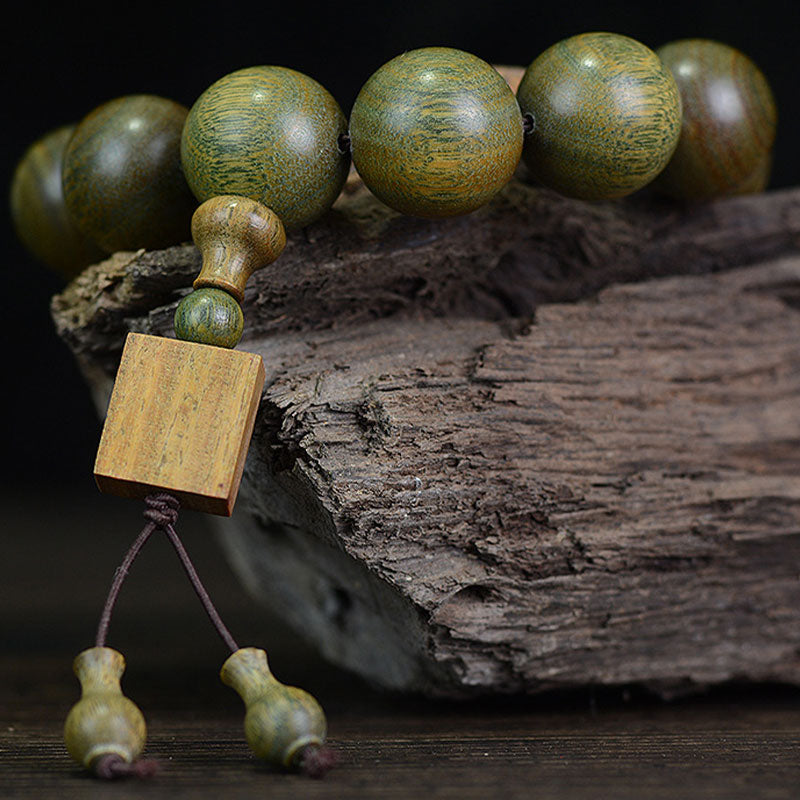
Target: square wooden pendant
[(180, 420)]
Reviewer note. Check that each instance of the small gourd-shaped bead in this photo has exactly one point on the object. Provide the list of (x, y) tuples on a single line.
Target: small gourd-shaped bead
[(40, 217), (103, 722), (436, 132), (209, 316), (236, 236), (271, 134), (280, 721), (729, 121), (123, 182), (606, 116)]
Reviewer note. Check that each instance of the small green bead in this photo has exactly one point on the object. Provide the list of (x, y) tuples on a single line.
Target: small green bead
[(209, 316), (729, 121), (123, 183), (436, 132), (40, 217), (606, 116), (270, 134)]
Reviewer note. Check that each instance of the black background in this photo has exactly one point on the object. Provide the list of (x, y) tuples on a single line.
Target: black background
[(60, 64)]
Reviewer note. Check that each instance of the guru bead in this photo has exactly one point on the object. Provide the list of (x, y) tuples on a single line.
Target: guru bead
[(606, 116), (209, 316), (40, 217), (435, 132), (236, 236), (123, 182), (280, 721), (271, 134), (729, 120), (103, 722)]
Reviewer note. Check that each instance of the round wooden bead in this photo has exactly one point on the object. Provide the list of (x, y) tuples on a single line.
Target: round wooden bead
[(38, 211), (606, 116), (123, 182), (271, 134), (236, 236), (209, 316), (436, 132), (729, 121)]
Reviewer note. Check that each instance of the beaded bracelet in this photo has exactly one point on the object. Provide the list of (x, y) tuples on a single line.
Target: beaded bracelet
[(434, 132)]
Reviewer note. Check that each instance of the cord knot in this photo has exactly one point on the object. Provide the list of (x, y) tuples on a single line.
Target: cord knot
[(162, 509)]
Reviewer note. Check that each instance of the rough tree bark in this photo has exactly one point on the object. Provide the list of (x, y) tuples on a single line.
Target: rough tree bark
[(545, 445)]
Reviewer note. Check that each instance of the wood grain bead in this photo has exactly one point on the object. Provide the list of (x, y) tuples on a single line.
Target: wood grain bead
[(236, 236), (104, 721), (435, 132), (606, 116), (279, 720), (271, 134), (209, 316), (123, 183), (40, 216), (729, 121)]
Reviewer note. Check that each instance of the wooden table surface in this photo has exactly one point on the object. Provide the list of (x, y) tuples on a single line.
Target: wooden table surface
[(58, 557)]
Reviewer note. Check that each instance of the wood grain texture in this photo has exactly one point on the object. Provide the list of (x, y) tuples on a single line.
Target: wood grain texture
[(271, 134), (435, 132), (606, 114), (179, 420), (729, 121), (462, 482), (38, 211), (236, 236), (123, 182)]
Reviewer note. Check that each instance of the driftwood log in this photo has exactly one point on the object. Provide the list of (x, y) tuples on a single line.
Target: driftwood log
[(549, 444)]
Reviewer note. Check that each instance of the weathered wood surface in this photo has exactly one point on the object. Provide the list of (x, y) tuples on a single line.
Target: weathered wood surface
[(460, 482)]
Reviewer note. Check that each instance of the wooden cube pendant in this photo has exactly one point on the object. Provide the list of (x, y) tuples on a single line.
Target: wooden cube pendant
[(179, 420)]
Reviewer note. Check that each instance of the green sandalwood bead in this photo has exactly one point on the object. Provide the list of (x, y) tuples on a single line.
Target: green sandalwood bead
[(38, 211), (436, 132), (270, 134), (123, 182), (729, 120), (606, 116), (209, 316)]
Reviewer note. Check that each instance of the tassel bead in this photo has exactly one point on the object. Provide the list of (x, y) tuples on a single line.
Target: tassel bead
[(103, 722), (280, 721)]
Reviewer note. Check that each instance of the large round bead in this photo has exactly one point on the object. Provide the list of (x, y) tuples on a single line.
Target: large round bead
[(436, 132), (38, 211), (271, 134), (606, 116), (123, 183), (729, 120)]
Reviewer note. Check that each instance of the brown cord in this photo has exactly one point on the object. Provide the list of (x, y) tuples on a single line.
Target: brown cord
[(316, 761), (161, 512), (112, 766)]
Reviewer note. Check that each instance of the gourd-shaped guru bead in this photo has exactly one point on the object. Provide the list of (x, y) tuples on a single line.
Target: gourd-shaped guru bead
[(236, 236), (37, 208), (280, 721), (729, 120), (104, 721), (123, 183), (436, 132), (271, 134), (606, 116)]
